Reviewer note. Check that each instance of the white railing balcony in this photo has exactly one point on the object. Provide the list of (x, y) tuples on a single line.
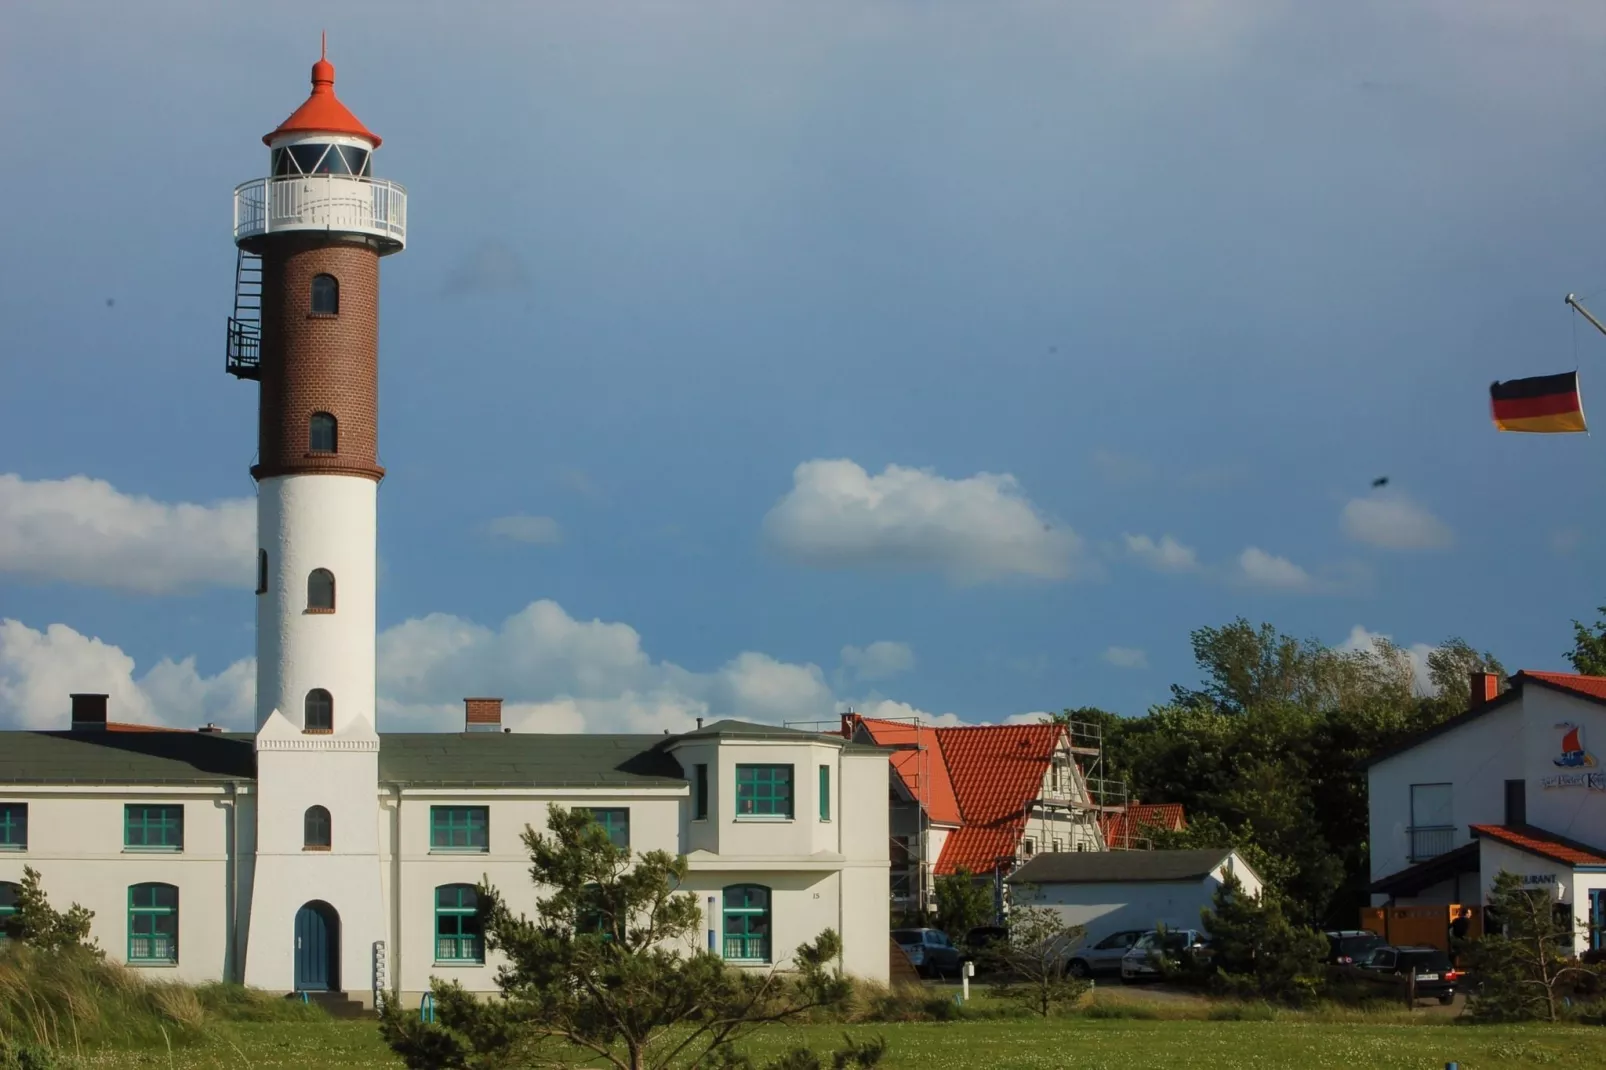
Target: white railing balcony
[(374, 207)]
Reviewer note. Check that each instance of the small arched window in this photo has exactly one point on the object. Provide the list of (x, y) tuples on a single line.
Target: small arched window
[(153, 924), (262, 572), (315, 829), (322, 434), (320, 711), (325, 295), (747, 923), (321, 590), (459, 936)]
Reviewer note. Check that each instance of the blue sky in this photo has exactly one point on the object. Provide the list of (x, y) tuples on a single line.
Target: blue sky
[(733, 340)]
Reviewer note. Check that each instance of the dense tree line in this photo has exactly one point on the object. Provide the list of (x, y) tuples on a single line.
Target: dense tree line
[(1265, 751)]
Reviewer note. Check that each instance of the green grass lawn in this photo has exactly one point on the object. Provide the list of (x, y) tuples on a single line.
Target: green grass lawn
[(1086, 1044)]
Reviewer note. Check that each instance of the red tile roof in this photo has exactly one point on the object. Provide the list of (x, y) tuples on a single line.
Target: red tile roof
[(1543, 843), (1122, 830), (979, 848), (1588, 686), (934, 790), (997, 769)]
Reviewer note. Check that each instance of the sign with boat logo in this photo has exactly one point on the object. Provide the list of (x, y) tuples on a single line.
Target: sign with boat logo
[(1573, 756)]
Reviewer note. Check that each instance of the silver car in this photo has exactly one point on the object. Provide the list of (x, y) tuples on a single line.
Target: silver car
[(1142, 962), (1103, 957)]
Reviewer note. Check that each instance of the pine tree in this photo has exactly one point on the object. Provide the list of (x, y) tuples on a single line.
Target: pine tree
[(1034, 956), (1524, 971), (599, 976), (1256, 950), (963, 903), (37, 924)]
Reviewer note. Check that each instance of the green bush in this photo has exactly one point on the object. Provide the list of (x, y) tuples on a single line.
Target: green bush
[(25, 1057)]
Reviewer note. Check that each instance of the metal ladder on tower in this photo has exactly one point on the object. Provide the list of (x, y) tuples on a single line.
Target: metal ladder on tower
[(244, 354)]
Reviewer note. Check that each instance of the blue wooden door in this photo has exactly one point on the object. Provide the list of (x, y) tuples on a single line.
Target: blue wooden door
[(313, 949)]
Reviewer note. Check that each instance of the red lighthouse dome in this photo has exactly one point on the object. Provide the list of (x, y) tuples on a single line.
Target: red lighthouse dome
[(322, 113)]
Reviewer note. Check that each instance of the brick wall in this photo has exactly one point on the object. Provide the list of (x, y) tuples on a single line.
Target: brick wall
[(318, 363)]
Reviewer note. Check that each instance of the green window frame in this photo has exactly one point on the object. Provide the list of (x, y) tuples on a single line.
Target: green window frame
[(153, 924), (8, 907), (764, 791), (153, 828), (825, 793), (747, 923), (13, 826), (459, 936), (617, 821), (460, 828), (699, 789)]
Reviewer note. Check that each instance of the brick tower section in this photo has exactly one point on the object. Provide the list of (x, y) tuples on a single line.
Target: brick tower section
[(318, 362)]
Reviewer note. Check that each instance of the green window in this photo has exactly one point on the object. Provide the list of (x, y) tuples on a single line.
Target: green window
[(153, 828), (617, 822), (699, 789), (13, 826), (152, 923), (458, 936), (8, 907), (763, 791), (825, 793), (459, 828), (747, 923)]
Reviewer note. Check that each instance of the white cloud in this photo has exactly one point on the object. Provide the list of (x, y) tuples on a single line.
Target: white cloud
[(879, 660), (39, 670), (1125, 657), (1361, 639), (973, 530), (536, 530), (1167, 555), (85, 531), (1257, 567), (1394, 522)]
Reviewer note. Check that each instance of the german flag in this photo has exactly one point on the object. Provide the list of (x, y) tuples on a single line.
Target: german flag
[(1544, 404)]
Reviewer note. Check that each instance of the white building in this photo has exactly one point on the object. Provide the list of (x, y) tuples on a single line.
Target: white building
[(319, 854), (1512, 784), (1110, 891)]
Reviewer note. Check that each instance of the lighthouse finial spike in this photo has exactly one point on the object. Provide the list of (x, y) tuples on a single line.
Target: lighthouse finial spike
[(323, 44)]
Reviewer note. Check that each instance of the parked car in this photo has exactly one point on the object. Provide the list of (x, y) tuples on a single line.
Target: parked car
[(1436, 977), (1142, 961), (930, 951), (1103, 957), (1351, 947), (982, 945)]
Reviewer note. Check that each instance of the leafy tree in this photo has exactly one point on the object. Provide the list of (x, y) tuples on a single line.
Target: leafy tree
[(599, 977), (38, 924), (1033, 957), (1524, 971), (1588, 654), (963, 903), (1257, 951)]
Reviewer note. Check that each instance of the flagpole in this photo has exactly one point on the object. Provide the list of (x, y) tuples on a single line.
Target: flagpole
[(1584, 312)]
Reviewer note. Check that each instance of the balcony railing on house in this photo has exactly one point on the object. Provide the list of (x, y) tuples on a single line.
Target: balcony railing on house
[(375, 207), (1430, 841)]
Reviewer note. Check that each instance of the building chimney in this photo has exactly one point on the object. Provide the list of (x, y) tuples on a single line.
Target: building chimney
[(850, 723), (1485, 689), (89, 713), (482, 714), (210, 729), (699, 724)]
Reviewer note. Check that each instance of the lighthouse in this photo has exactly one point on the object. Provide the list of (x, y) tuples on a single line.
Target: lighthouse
[(310, 235)]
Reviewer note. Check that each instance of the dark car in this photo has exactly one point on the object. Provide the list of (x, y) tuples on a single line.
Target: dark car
[(930, 951), (1351, 947), (1436, 976), (1103, 957), (983, 945)]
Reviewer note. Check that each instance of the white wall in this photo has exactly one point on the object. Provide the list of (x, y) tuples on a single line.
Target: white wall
[(1475, 758), (75, 841), (1568, 801), (305, 523), (1111, 906)]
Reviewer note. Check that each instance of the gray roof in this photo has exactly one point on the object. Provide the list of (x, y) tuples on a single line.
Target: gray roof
[(511, 759), (125, 757), (729, 729), (1120, 867)]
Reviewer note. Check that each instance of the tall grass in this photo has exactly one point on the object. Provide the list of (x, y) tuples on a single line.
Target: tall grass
[(73, 1002)]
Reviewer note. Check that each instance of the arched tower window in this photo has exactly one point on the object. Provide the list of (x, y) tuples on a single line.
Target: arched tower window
[(315, 829), (262, 572), (321, 590), (320, 712), (325, 295), (458, 933), (747, 923), (322, 433), (153, 923)]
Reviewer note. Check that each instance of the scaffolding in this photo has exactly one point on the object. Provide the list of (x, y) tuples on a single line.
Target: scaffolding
[(913, 874)]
